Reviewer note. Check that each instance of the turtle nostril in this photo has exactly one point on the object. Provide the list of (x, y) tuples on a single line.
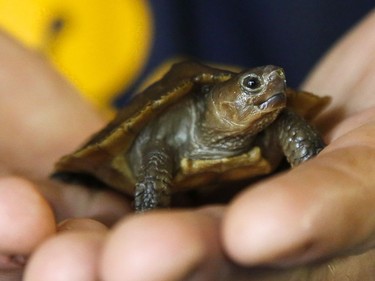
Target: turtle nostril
[(277, 74)]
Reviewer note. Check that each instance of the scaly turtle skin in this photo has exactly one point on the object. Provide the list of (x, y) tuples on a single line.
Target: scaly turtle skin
[(196, 126)]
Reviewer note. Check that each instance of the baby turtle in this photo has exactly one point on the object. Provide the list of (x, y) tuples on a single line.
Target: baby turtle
[(199, 126)]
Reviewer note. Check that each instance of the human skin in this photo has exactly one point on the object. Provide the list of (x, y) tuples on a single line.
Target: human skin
[(320, 211)]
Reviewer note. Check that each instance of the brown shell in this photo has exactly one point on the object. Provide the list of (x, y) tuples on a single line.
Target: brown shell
[(102, 155)]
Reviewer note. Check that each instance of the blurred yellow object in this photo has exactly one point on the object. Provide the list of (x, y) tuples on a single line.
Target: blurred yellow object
[(100, 46)]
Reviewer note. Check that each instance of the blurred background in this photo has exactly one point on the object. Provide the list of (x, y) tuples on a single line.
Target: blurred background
[(106, 48)]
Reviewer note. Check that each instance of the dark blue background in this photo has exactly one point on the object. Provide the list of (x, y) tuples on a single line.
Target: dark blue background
[(291, 33)]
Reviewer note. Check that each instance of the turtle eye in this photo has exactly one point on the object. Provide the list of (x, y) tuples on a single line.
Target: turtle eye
[(252, 83), (206, 88)]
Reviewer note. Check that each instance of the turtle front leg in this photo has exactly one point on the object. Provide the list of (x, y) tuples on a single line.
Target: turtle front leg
[(298, 139), (152, 189)]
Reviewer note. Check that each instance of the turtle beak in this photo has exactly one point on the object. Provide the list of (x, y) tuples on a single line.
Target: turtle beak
[(276, 101), (274, 97)]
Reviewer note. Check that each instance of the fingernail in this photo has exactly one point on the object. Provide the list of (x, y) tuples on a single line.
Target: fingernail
[(81, 224)]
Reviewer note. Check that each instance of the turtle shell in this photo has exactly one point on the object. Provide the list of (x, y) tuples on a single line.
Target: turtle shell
[(103, 156)]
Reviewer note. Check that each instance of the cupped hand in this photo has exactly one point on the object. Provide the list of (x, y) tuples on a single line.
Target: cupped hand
[(315, 222), (42, 118)]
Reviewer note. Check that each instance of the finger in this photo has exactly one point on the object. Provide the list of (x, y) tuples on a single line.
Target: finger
[(321, 208), (72, 201), (11, 275), (26, 219), (163, 246), (71, 255), (40, 108), (347, 72)]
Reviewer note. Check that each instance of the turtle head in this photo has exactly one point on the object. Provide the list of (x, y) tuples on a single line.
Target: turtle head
[(248, 102)]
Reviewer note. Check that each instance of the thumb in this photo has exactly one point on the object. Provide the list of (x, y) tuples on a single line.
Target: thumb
[(321, 208)]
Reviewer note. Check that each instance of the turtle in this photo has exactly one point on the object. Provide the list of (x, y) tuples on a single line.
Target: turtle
[(199, 126)]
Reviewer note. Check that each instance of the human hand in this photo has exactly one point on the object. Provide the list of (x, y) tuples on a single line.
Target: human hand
[(42, 118), (286, 227), (322, 210)]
